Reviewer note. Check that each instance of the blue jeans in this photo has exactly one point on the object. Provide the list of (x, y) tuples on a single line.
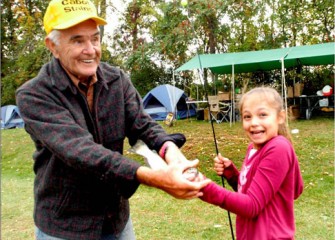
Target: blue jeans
[(126, 234)]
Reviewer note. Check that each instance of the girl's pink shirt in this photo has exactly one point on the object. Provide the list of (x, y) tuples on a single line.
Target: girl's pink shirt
[(268, 184)]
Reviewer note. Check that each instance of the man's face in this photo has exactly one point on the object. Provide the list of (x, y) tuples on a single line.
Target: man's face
[(79, 49)]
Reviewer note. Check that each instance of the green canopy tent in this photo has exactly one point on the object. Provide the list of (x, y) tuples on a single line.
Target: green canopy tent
[(311, 55), (242, 61), (251, 61)]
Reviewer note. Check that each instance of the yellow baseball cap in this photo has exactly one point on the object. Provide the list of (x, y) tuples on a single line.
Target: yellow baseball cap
[(63, 14)]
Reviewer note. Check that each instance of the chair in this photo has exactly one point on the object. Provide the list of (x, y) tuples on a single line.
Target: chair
[(225, 111), (219, 111)]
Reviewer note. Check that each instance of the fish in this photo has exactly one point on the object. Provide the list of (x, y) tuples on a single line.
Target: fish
[(151, 157), (155, 162)]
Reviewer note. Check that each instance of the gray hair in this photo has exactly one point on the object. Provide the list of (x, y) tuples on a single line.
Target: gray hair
[(54, 36)]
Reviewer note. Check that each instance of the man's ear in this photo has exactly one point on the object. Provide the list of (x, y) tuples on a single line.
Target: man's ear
[(52, 47)]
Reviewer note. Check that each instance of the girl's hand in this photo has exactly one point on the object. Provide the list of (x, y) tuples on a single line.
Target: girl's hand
[(220, 163)]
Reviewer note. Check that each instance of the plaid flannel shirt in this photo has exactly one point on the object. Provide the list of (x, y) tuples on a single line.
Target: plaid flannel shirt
[(83, 182)]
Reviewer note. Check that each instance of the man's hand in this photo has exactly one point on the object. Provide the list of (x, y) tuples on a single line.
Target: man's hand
[(171, 179)]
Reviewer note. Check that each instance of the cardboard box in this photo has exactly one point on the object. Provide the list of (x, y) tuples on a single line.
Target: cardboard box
[(224, 96), (206, 114), (213, 98), (290, 92), (298, 89), (294, 112)]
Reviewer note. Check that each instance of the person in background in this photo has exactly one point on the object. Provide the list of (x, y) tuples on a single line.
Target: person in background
[(270, 179), (78, 112)]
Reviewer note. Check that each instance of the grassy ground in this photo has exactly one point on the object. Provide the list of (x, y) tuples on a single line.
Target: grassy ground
[(156, 215)]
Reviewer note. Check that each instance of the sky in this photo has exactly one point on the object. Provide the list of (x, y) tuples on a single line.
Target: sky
[(113, 14)]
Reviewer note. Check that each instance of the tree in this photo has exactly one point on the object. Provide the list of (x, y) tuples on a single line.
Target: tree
[(134, 43), (320, 22), (22, 51), (156, 36)]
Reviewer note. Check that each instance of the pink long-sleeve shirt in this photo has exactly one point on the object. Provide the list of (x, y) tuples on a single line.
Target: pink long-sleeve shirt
[(268, 183)]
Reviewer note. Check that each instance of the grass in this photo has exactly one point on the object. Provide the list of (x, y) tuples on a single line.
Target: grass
[(157, 215), (16, 185)]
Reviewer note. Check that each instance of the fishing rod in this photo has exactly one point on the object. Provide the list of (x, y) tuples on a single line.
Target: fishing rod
[(184, 3)]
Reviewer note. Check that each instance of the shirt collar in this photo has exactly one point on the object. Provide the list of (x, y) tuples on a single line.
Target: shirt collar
[(92, 80)]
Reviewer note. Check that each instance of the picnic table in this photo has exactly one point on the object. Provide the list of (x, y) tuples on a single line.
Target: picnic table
[(315, 102)]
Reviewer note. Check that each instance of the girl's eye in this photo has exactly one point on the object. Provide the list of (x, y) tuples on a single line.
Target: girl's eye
[(263, 114), (246, 117)]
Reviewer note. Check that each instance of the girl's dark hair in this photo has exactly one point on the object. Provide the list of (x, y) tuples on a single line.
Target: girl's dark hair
[(275, 100)]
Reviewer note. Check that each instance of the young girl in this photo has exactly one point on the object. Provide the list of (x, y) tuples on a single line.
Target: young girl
[(270, 178)]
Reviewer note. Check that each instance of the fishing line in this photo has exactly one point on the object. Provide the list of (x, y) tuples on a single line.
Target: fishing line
[(184, 3)]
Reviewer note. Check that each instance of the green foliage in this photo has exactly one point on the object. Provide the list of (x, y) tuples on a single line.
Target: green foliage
[(164, 34), (171, 34), (21, 69), (22, 50), (146, 75)]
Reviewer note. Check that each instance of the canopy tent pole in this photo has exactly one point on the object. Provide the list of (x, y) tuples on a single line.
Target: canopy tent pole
[(197, 93), (232, 113), (174, 97), (284, 90)]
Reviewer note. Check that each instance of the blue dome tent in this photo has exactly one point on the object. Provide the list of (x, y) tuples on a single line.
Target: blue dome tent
[(166, 99), (10, 117)]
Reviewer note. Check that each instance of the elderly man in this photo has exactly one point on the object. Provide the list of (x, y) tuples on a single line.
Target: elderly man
[(78, 112)]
